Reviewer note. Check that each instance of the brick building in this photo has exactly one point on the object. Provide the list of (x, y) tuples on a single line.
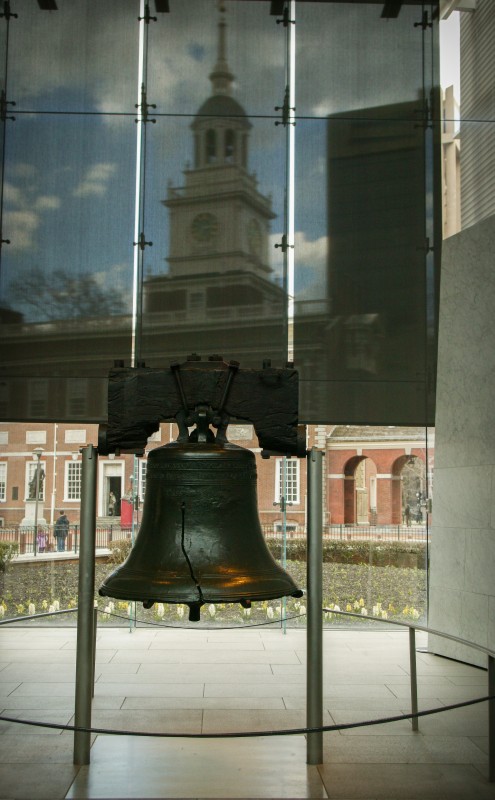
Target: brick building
[(371, 474)]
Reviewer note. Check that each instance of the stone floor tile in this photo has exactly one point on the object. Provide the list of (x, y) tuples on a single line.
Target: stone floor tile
[(224, 656), (198, 768), (149, 720), (223, 703), (405, 782), (36, 715), (149, 689), (232, 721), (36, 781), (447, 694), (14, 702), (34, 749), (237, 645), (409, 748)]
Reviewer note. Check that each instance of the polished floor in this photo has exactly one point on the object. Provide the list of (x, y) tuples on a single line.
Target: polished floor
[(205, 681)]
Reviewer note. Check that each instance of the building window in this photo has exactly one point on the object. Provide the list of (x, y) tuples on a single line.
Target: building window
[(143, 464), (73, 480), (75, 436), (291, 480), (4, 399), (35, 437), (38, 398), (196, 301), (76, 397), (229, 146), (3, 482), (31, 480), (211, 146)]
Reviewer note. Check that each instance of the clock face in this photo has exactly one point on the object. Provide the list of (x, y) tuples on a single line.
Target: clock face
[(204, 227), (254, 237)]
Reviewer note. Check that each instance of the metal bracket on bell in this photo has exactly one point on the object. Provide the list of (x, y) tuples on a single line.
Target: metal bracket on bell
[(203, 416)]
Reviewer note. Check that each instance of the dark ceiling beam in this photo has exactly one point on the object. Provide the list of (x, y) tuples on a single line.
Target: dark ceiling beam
[(366, 2), (391, 9)]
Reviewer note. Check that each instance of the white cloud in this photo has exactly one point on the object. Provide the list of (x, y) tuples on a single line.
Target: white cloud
[(310, 269), (310, 254), (24, 209), (96, 180), (117, 278), (46, 202), (12, 195), (19, 228), (310, 264)]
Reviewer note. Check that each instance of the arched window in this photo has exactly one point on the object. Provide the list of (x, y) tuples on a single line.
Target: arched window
[(244, 151), (229, 146), (211, 146), (197, 151)]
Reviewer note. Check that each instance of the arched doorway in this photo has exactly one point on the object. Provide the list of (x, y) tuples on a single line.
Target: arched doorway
[(409, 502), (360, 493)]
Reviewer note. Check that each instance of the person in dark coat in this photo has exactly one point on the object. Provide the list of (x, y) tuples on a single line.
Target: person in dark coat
[(61, 531)]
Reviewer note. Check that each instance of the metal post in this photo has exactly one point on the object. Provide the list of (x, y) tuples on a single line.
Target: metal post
[(414, 680), (283, 508), (84, 654), (314, 638), (37, 452), (95, 628), (491, 720)]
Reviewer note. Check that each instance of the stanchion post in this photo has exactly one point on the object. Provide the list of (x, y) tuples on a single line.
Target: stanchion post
[(491, 719), (314, 668), (95, 628), (414, 678), (85, 613)]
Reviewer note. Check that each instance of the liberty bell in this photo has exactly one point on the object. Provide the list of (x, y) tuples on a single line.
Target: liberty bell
[(200, 539)]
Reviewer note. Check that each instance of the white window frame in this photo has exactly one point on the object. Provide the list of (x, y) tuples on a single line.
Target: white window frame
[(143, 467), (38, 397), (3, 481), (292, 481), (30, 472), (69, 467), (77, 397)]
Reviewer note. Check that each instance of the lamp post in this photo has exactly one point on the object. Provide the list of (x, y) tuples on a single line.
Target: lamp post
[(283, 508), (37, 452)]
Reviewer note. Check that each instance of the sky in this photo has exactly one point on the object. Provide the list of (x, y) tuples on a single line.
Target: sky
[(69, 180)]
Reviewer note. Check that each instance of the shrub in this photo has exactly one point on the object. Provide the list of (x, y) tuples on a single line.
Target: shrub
[(383, 554), (119, 550), (7, 552)]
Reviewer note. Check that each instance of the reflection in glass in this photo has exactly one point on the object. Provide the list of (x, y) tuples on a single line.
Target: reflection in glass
[(211, 281), (81, 58), (79, 289), (365, 305)]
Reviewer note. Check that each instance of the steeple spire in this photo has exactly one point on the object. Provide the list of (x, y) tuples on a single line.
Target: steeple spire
[(221, 77)]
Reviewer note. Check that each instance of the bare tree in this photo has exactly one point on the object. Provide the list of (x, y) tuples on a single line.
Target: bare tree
[(60, 295)]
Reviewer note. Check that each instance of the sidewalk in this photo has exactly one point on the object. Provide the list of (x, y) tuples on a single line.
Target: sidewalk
[(55, 555), (204, 681)]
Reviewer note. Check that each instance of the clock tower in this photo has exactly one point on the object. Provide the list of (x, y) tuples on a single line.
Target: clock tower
[(219, 221)]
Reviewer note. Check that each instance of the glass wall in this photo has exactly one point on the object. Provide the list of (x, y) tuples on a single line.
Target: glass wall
[(223, 180), (367, 260)]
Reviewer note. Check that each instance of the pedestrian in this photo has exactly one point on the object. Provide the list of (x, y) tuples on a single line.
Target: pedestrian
[(41, 540), (112, 500), (61, 531), (407, 515)]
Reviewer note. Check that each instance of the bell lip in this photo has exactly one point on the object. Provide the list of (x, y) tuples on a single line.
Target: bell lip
[(193, 449), (207, 597)]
